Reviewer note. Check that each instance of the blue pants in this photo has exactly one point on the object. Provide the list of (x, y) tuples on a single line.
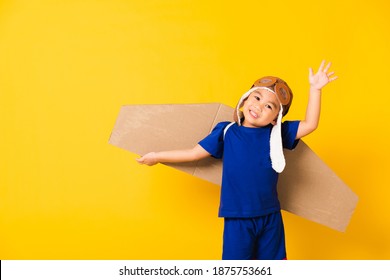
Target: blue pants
[(259, 238)]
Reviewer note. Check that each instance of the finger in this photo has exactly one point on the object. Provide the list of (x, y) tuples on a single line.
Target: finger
[(330, 73), (140, 160), (327, 67), (333, 78), (321, 66)]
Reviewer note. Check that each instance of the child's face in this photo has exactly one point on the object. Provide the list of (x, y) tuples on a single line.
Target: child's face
[(260, 109)]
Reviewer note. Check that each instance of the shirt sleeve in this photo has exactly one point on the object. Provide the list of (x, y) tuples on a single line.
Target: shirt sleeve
[(213, 143), (289, 133)]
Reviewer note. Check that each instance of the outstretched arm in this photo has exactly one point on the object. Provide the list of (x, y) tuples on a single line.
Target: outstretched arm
[(196, 153), (317, 82)]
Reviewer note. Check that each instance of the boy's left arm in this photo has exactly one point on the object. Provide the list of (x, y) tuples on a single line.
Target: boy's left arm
[(317, 82)]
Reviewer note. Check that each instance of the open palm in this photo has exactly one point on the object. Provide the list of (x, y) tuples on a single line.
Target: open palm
[(322, 77)]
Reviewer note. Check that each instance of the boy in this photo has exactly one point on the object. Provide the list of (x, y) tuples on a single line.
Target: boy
[(252, 153)]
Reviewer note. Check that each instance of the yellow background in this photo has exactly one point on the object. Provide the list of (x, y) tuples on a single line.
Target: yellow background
[(67, 66)]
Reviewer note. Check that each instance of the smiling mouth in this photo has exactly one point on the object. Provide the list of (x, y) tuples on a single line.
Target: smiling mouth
[(253, 114)]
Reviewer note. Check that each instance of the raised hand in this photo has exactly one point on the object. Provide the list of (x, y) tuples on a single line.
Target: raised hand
[(322, 77)]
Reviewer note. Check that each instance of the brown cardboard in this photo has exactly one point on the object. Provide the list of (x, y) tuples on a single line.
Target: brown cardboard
[(307, 187)]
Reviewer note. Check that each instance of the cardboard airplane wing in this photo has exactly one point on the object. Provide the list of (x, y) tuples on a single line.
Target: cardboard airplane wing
[(307, 187)]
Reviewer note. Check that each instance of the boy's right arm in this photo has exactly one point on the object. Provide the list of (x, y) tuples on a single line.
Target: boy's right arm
[(196, 153)]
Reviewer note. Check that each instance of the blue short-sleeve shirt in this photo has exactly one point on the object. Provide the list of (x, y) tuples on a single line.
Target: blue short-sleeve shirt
[(249, 183)]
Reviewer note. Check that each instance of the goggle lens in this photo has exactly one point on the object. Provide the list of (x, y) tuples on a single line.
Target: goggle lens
[(280, 88)]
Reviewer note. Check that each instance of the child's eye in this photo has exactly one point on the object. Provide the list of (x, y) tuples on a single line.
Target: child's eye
[(257, 98), (268, 107)]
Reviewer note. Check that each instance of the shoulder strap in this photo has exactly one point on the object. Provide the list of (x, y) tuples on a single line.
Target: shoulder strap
[(226, 128)]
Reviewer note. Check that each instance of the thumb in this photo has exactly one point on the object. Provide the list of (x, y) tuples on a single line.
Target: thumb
[(310, 72)]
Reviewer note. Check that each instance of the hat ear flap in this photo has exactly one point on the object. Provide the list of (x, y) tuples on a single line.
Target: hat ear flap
[(237, 116), (276, 146)]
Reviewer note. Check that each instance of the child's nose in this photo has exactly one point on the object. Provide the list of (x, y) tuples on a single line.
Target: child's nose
[(258, 105)]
